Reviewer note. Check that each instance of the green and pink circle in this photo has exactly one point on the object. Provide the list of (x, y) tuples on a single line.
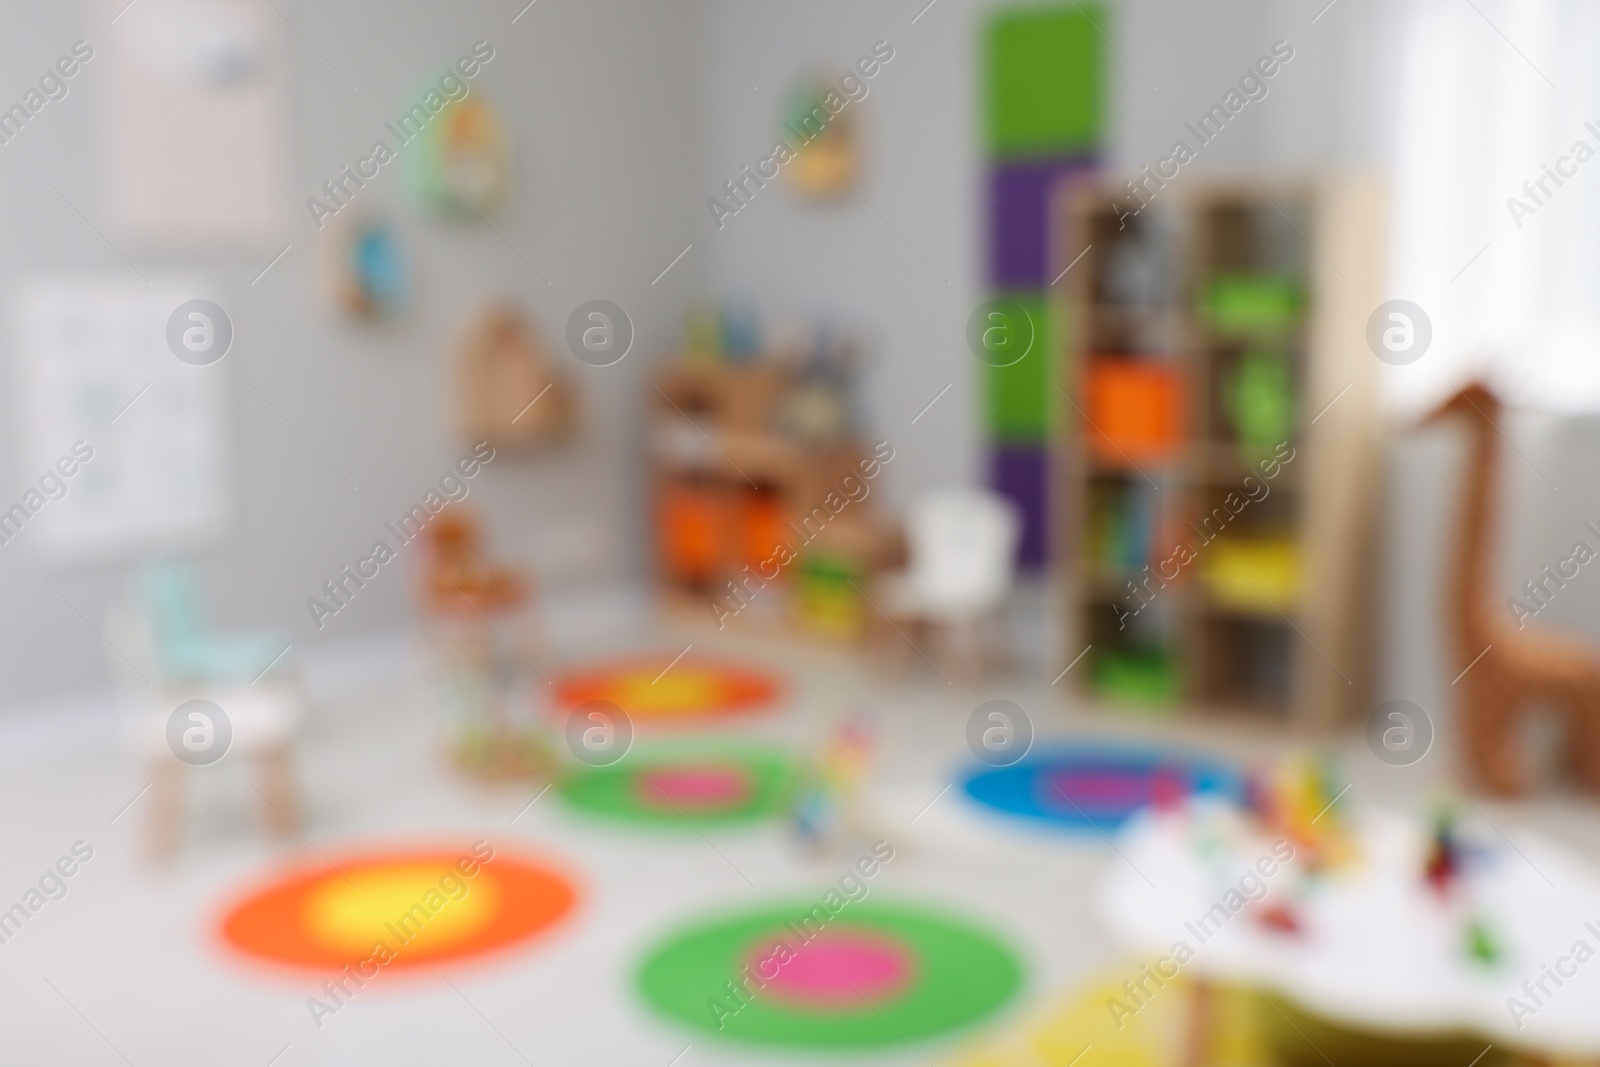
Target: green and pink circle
[(685, 787), (804, 976)]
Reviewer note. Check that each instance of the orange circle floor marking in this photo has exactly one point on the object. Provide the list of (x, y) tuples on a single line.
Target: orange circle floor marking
[(693, 688), (416, 902)]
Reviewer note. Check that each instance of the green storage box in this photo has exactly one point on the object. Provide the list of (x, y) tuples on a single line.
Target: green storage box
[(1143, 677), (1252, 305)]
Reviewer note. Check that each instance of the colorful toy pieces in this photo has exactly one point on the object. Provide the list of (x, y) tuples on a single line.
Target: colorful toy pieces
[(1448, 863), (1299, 801), (1503, 670)]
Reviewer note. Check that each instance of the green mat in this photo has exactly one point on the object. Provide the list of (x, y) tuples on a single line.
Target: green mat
[(958, 974), (626, 791)]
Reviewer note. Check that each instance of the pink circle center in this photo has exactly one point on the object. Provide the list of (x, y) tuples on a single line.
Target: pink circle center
[(1097, 788), (835, 969), (695, 787)]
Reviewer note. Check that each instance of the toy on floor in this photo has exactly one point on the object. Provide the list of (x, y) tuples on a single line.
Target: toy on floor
[(1505, 671), (838, 972), (484, 625), (164, 653), (827, 808), (460, 579)]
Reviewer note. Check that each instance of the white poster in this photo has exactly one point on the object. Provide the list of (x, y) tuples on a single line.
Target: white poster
[(126, 445), (197, 124)]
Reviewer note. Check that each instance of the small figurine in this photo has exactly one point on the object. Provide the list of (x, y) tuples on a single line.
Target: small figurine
[(1482, 945), (1443, 867), (822, 810), (1279, 918), (1299, 801)]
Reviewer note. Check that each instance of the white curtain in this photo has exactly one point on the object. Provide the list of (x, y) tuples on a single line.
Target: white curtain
[(1489, 92)]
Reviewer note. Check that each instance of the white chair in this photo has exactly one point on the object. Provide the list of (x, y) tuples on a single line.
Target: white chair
[(962, 549), (264, 718)]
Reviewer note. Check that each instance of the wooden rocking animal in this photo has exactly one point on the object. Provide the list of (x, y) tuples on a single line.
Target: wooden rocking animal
[(1507, 669)]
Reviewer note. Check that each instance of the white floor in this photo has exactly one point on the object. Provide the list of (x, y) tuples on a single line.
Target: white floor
[(125, 969)]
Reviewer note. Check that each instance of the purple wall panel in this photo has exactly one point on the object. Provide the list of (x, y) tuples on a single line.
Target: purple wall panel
[(1020, 473), (1019, 230)]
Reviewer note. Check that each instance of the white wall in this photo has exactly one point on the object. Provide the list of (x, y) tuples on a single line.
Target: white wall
[(603, 101)]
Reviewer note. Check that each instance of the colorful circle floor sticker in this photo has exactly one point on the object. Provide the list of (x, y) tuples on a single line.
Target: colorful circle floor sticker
[(661, 690), (1096, 789), (797, 976), (398, 910), (686, 789)]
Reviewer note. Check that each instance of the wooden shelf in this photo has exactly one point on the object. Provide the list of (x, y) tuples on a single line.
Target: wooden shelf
[(742, 505), (1308, 665)]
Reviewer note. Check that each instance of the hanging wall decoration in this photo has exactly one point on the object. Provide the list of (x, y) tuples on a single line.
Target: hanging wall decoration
[(827, 157), (461, 163), (512, 394), (370, 278)]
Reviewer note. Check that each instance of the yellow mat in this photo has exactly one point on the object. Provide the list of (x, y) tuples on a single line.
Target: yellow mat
[(1092, 1027)]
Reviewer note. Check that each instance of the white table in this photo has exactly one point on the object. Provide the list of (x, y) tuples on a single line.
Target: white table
[(1377, 951)]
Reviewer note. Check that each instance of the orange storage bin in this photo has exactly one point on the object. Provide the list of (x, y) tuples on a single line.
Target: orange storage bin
[(1136, 408), (762, 530), (692, 523)]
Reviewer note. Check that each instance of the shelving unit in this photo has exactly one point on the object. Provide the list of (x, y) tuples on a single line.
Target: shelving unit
[(1216, 468), (729, 484)]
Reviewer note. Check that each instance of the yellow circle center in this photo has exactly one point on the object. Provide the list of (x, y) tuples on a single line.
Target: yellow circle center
[(410, 908), (689, 690)]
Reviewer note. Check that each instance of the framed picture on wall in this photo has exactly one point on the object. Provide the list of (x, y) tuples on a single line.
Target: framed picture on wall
[(125, 445)]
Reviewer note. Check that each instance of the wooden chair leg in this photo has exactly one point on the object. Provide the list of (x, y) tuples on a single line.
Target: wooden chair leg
[(893, 639), (277, 789), (963, 661), (531, 639), (998, 638), (974, 627), (164, 821)]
